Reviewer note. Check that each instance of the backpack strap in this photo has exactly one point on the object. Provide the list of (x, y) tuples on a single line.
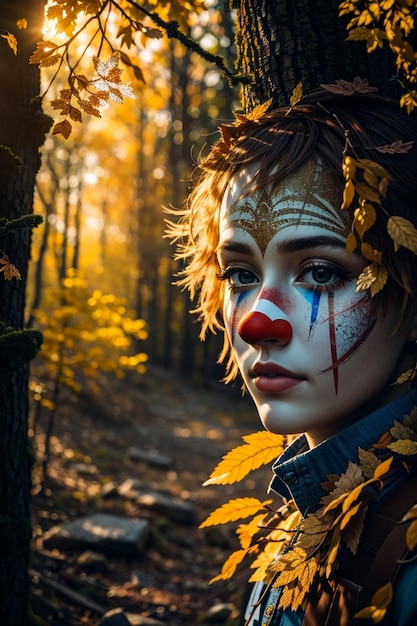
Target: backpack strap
[(376, 562)]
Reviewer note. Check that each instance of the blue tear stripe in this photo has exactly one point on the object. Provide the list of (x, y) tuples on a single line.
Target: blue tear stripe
[(315, 303)]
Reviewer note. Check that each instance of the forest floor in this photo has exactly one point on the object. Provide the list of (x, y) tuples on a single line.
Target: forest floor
[(172, 416)]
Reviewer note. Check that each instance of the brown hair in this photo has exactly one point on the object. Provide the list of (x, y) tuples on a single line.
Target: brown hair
[(322, 126)]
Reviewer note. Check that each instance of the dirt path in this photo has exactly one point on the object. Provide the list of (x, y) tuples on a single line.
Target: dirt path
[(192, 426)]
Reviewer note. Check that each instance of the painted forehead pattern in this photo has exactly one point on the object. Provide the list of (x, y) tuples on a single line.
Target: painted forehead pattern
[(307, 198), (263, 215)]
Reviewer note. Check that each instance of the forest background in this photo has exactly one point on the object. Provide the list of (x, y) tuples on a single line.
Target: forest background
[(102, 273), (100, 278)]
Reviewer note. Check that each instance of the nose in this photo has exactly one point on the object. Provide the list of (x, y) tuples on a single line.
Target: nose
[(256, 328)]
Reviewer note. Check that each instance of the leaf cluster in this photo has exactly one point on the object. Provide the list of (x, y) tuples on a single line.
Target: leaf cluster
[(291, 552), (367, 182), (389, 23), (89, 333), (76, 18), (366, 186)]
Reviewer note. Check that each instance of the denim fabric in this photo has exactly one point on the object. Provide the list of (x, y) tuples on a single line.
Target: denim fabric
[(298, 475)]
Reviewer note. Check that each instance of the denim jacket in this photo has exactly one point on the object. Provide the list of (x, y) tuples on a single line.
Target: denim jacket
[(299, 473)]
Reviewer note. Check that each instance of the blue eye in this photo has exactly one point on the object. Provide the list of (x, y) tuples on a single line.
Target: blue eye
[(323, 275), (238, 277)]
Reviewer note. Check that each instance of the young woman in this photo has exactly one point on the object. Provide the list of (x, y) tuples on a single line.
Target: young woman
[(300, 241)]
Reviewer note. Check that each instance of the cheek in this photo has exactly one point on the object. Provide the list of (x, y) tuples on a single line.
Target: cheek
[(352, 321)]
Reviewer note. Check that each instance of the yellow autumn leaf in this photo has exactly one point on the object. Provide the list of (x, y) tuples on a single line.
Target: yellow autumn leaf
[(377, 169), (12, 41), (333, 550), (402, 232), (404, 446), (349, 167), (300, 578), (365, 218), (297, 94), (348, 194), (349, 514), (371, 178), (411, 514), (368, 193), (351, 243), (259, 110), (234, 510), (383, 597), (371, 253), (230, 565), (263, 561), (246, 532), (373, 277), (411, 536), (334, 503), (383, 468), (361, 33), (380, 601), (410, 374), (260, 448)]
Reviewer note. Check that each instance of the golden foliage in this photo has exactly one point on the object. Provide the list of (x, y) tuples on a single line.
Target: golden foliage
[(373, 277), (380, 602), (368, 181), (11, 40), (402, 232), (89, 95), (291, 551), (260, 448), (385, 23), (88, 333), (297, 94)]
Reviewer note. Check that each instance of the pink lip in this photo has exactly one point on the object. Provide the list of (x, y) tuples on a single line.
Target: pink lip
[(271, 378)]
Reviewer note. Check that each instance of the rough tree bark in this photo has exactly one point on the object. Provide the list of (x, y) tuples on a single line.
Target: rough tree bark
[(22, 132), (282, 42)]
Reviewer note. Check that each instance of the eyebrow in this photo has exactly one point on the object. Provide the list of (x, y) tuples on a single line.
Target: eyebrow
[(305, 243), (231, 246), (286, 247)]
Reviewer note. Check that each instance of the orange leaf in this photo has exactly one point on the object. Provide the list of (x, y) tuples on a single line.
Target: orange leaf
[(260, 448), (230, 565), (236, 509)]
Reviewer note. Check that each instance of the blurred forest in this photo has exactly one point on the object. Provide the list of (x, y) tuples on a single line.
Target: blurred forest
[(101, 276), (121, 363)]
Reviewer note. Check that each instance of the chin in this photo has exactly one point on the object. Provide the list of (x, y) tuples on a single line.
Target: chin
[(280, 421)]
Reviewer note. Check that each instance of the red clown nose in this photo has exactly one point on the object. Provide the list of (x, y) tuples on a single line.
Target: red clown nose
[(255, 327)]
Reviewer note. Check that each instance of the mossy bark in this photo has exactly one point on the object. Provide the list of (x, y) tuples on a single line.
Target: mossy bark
[(22, 132)]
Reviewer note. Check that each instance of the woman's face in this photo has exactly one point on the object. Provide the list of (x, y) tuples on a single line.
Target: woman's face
[(309, 347)]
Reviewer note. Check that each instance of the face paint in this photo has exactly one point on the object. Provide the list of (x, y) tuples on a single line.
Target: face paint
[(259, 217), (311, 372), (265, 323)]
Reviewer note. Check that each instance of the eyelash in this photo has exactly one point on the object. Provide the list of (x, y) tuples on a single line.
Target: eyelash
[(227, 274), (342, 277)]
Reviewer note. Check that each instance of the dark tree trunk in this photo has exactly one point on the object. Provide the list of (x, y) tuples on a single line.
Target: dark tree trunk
[(22, 132), (283, 42)]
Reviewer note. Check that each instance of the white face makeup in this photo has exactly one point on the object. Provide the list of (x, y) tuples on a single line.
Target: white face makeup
[(309, 349)]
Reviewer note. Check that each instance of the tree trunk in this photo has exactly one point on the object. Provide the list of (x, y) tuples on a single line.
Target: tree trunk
[(22, 132), (283, 42)]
